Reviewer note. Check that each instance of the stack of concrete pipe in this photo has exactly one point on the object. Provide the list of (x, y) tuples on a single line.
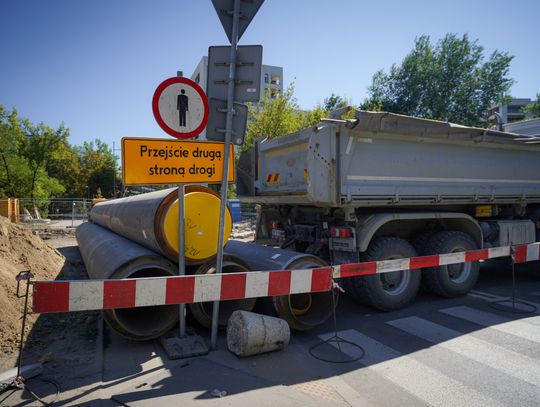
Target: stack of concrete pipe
[(138, 237), (110, 256)]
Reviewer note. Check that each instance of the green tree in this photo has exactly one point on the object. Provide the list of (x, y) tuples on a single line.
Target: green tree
[(25, 150), (532, 110), (11, 137), (64, 166), (98, 169), (450, 80), (311, 117), (334, 102), (274, 117), (39, 148)]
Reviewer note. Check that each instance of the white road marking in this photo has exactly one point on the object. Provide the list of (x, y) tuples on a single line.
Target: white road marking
[(494, 356), (491, 297), (422, 381), (518, 328)]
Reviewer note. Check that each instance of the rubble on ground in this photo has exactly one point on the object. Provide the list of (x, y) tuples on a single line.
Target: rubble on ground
[(244, 230)]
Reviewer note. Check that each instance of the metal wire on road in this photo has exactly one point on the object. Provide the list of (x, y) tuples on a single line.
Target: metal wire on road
[(336, 340)]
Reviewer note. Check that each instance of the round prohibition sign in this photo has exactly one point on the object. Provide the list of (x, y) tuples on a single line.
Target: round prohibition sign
[(180, 107)]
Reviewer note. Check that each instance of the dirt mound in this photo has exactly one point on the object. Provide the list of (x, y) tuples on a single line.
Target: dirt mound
[(21, 250)]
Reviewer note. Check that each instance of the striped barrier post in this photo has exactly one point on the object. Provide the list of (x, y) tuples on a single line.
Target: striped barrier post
[(86, 295)]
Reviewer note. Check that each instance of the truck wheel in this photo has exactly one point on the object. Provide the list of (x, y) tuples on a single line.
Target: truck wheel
[(451, 280), (421, 240), (388, 291)]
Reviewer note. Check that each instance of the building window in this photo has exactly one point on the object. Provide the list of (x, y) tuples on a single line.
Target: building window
[(266, 78), (198, 78)]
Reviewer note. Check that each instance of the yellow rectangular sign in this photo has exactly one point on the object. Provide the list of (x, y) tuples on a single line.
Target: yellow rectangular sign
[(147, 161)]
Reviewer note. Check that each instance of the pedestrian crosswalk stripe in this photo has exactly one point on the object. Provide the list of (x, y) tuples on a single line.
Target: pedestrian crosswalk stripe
[(422, 381), (491, 297), (488, 319), (509, 362)]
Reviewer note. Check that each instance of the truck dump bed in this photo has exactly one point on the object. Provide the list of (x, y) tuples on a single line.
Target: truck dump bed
[(385, 159)]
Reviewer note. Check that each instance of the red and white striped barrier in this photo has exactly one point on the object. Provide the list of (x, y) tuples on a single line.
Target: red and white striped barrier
[(67, 296)]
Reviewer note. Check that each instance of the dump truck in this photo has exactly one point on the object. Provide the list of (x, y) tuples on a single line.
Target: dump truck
[(386, 186)]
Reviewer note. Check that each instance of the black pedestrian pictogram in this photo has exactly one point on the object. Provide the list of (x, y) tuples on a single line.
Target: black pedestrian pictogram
[(182, 107)]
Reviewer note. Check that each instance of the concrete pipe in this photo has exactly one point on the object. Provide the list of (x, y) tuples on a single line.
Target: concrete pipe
[(152, 221), (301, 311), (109, 256), (202, 311)]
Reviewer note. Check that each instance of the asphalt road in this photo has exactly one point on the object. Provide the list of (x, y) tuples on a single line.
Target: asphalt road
[(437, 352)]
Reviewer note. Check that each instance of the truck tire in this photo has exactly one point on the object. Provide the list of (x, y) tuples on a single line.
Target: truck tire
[(388, 291), (452, 280), (421, 240)]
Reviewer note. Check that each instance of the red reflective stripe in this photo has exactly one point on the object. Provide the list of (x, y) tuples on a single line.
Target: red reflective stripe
[(359, 269), (119, 294), (50, 297), (341, 232), (474, 255), (321, 279), (424, 261), (179, 290), (233, 286), (520, 253), (279, 283)]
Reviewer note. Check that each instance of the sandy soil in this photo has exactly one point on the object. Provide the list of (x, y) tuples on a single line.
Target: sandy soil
[(50, 255)]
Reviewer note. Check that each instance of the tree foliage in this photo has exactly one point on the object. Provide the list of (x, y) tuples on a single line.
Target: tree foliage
[(37, 161), (334, 102), (274, 117), (24, 152), (450, 80), (532, 110), (97, 164)]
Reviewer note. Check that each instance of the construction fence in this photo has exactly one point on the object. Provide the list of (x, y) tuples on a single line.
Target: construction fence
[(37, 213)]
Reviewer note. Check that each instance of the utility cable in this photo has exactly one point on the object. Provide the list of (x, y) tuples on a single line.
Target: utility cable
[(336, 340), (499, 305)]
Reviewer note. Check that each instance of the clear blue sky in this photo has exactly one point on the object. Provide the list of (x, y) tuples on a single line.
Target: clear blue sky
[(95, 64)]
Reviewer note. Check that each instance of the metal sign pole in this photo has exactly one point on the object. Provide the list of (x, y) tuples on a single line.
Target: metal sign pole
[(226, 154), (181, 252), (181, 248)]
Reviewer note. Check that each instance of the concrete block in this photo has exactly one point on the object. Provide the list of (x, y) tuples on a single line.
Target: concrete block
[(251, 334)]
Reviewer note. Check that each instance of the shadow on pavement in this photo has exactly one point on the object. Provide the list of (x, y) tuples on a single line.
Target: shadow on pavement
[(136, 374)]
